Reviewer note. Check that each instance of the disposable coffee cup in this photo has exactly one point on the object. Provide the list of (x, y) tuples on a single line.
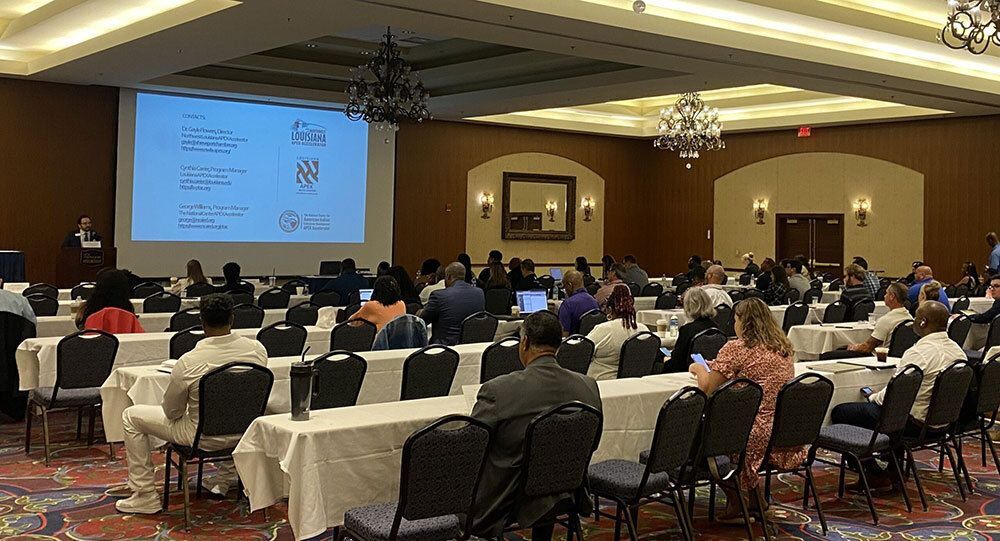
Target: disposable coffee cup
[(661, 325)]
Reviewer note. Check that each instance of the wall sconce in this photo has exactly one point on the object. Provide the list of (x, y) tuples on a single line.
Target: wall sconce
[(759, 211), (486, 200), (589, 205), (550, 210), (861, 208)]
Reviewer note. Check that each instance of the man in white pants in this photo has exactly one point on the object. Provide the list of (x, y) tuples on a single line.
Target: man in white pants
[(176, 420)]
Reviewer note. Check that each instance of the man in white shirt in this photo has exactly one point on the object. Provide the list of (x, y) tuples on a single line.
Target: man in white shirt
[(894, 297), (176, 420), (793, 268), (425, 293), (714, 277), (933, 353)]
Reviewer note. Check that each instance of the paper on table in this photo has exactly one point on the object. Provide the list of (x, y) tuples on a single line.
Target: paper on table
[(168, 364), (873, 363)]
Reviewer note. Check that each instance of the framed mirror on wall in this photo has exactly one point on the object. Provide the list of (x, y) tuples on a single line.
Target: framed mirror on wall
[(538, 207)]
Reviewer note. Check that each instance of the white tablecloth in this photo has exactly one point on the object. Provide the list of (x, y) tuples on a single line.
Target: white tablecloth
[(65, 305), (810, 341), (36, 357), (343, 458), (641, 303), (154, 322), (650, 317)]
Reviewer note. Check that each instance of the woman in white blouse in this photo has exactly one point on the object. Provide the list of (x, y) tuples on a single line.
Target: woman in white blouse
[(194, 276), (608, 337)]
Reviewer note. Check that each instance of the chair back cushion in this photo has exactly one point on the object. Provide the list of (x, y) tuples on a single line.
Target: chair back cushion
[(500, 358), (708, 343), (676, 430), (274, 298), (800, 410), (429, 372), (354, 335), (558, 445), (479, 327), (304, 313), (283, 339), (247, 316), (638, 355), (231, 397), (950, 389), (575, 353), (184, 341), (85, 359), (339, 376)]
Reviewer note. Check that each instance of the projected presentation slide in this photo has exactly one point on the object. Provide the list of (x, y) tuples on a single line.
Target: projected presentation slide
[(210, 170)]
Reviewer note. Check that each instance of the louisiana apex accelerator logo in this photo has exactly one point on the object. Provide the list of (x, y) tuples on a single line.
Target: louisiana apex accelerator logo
[(305, 134)]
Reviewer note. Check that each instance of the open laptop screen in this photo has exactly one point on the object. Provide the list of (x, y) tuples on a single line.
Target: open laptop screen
[(532, 301)]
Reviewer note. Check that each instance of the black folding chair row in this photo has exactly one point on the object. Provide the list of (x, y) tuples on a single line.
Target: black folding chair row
[(43, 305), (478, 327), (43, 289)]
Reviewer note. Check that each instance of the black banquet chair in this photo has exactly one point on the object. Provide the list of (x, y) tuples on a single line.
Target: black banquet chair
[(292, 286), (241, 297), (903, 338), (575, 353), (232, 396), (163, 302), (184, 341), (283, 339), (591, 319), (836, 312), (498, 301), (84, 360), (725, 319), (274, 298), (631, 484), (986, 410), (82, 290), (440, 470), (652, 289), (666, 301), (708, 343), (340, 375), (146, 289), (304, 313), (184, 319), (41, 289), (43, 305), (479, 327), (960, 305), (797, 313), (861, 309), (959, 328), (500, 358), (355, 336), (247, 316), (429, 372), (199, 290), (813, 296), (638, 355)]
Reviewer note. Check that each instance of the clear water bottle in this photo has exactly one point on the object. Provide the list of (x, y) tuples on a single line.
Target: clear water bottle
[(271, 280), (674, 325)]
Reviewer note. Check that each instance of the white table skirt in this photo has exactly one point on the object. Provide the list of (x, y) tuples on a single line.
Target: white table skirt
[(49, 326), (650, 317), (66, 305), (36, 357), (146, 384), (810, 341), (641, 303), (347, 457)]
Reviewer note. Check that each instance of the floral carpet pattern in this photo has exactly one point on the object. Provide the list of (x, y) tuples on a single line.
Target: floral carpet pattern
[(73, 499)]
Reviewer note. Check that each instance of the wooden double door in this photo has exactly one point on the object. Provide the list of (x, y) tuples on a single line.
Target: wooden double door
[(819, 237)]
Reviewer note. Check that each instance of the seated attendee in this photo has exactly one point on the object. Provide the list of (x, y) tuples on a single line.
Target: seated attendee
[(854, 287), (111, 290), (528, 279), (84, 232), (495, 257), (992, 292), (349, 281), (385, 305), (922, 276), (614, 278), (775, 292), (894, 298), (114, 321), (609, 336), (194, 275), (382, 269), (438, 284), (428, 272), (17, 304), (793, 269), (763, 279), (693, 263), (633, 273), (930, 291), (233, 282), (970, 276), (577, 303), (407, 290), (447, 308), (582, 266), (514, 274), (933, 353), (177, 418), (762, 354), (507, 404), (871, 281), (715, 276), (496, 277), (466, 261), (806, 269), (607, 262), (697, 276), (699, 310), (912, 277), (749, 267)]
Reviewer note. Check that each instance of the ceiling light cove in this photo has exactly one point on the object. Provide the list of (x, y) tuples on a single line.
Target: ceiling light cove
[(38, 34)]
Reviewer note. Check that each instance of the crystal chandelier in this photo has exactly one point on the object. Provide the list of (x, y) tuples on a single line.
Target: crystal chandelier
[(972, 25), (384, 91), (689, 126)]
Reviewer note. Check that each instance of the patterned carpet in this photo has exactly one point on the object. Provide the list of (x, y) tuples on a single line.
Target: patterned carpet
[(74, 499)]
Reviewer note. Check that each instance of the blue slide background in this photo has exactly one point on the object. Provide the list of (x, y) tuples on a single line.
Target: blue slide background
[(209, 170)]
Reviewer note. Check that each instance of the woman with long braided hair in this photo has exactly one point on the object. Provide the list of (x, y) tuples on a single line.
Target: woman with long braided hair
[(608, 337)]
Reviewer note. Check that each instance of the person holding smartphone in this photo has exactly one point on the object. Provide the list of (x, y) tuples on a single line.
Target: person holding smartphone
[(763, 354)]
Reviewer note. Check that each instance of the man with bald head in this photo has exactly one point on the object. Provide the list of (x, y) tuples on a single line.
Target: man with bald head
[(578, 302), (714, 277), (924, 275), (447, 308), (933, 353)]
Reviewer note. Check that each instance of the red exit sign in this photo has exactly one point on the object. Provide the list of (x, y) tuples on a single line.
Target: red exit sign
[(805, 131)]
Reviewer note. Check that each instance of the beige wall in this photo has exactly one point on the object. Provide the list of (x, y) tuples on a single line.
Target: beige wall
[(823, 182), (481, 235)]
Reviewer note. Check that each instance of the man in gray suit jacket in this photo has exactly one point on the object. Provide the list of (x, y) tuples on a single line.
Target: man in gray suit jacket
[(447, 308), (508, 403)]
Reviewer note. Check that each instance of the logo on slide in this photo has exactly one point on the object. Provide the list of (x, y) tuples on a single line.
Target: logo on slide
[(306, 171), (289, 221), (308, 135)]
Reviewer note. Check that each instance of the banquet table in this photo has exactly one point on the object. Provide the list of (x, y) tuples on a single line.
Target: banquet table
[(48, 326), (146, 384), (810, 341), (36, 357), (650, 317), (66, 306), (641, 303), (347, 457)]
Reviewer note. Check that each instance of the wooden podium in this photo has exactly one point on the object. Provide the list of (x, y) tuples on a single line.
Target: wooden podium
[(75, 265)]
